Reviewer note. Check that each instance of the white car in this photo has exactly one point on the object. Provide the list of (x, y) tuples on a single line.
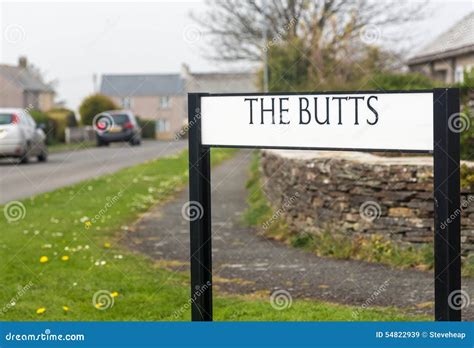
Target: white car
[(20, 137)]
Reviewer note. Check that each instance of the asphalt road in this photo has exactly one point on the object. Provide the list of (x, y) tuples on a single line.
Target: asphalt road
[(19, 181)]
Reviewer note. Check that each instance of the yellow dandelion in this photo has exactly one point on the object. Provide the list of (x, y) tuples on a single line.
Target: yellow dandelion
[(65, 258), (106, 245), (44, 259), (40, 310), (88, 224), (114, 294), (65, 308), (98, 305)]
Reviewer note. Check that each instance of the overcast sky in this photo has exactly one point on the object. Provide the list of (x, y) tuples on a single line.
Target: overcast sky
[(70, 41)]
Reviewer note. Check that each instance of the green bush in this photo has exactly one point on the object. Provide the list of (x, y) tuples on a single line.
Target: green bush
[(397, 81), (467, 86), (467, 136), (63, 118), (93, 105), (49, 124), (148, 128), (467, 178)]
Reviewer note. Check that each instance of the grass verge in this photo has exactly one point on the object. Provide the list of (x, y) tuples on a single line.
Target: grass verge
[(62, 258), (329, 243), (60, 147)]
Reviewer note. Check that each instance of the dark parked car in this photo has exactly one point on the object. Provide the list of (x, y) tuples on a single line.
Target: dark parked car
[(117, 126)]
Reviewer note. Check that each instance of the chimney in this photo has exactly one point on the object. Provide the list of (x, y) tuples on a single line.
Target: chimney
[(22, 62), (185, 72)]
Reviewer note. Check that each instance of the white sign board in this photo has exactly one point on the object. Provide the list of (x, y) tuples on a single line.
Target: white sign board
[(370, 121)]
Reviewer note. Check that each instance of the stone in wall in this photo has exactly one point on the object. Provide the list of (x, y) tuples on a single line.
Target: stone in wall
[(359, 193)]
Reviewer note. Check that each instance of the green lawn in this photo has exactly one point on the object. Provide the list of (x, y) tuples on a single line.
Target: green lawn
[(66, 249)]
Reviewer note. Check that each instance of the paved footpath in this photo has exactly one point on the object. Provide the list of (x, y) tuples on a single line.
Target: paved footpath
[(245, 262)]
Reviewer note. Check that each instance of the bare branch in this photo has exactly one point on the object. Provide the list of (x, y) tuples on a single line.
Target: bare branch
[(235, 27)]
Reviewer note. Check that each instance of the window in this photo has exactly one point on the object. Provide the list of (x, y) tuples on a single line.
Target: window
[(164, 102), (6, 119), (120, 119), (440, 75), (162, 125), (459, 74), (126, 103)]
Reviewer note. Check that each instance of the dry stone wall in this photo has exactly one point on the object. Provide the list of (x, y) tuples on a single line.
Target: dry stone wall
[(358, 193)]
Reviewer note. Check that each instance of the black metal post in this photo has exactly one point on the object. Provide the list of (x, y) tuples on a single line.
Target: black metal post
[(200, 221), (447, 237)]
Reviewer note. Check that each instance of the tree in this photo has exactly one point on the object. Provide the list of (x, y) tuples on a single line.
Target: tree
[(48, 123), (63, 118), (291, 70), (236, 26), (93, 105), (288, 67), (323, 44)]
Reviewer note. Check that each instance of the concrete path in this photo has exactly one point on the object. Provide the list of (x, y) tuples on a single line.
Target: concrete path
[(245, 262)]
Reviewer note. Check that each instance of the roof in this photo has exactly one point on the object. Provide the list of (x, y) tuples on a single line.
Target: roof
[(142, 85), (24, 78), (457, 40), (226, 82)]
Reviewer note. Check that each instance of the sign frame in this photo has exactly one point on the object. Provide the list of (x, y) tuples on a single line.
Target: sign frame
[(446, 170)]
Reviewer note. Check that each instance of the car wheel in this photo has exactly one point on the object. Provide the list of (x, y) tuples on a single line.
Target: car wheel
[(24, 159), (102, 143), (25, 156), (43, 156)]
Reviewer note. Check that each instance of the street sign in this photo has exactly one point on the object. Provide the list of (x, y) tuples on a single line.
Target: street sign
[(405, 121), (389, 121)]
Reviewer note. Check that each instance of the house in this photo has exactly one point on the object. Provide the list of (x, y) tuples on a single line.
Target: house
[(219, 82), (162, 98), (159, 98), (449, 55), (23, 87)]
